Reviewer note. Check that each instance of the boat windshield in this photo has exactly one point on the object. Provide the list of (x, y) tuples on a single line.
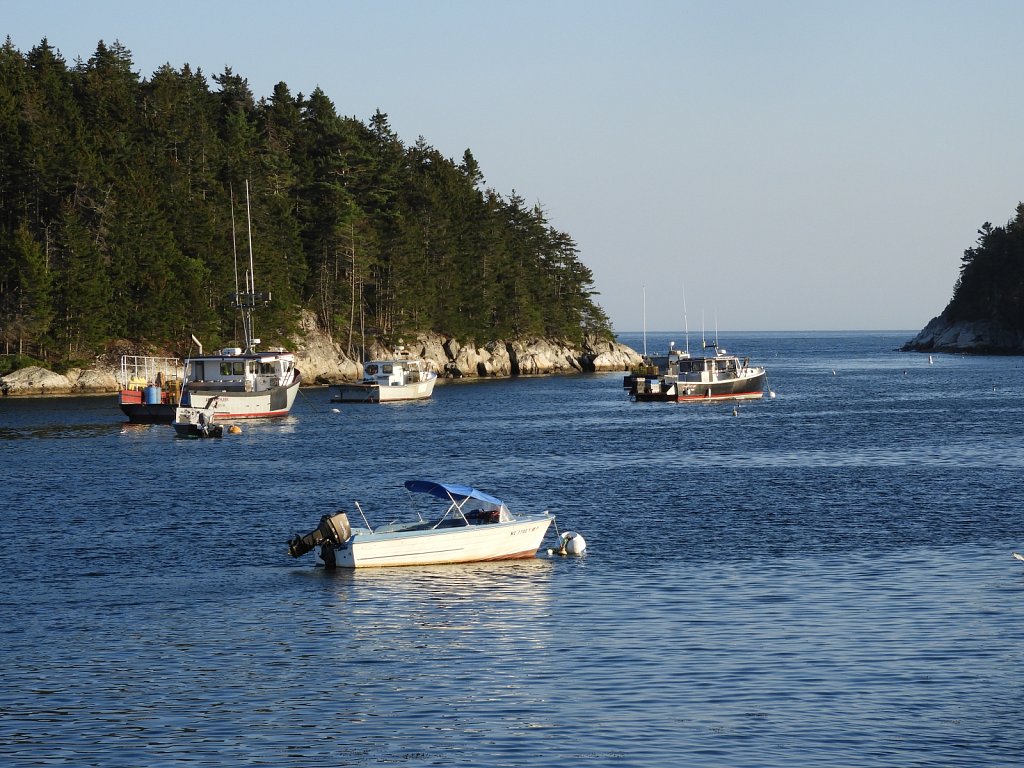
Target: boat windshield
[(463, 500)]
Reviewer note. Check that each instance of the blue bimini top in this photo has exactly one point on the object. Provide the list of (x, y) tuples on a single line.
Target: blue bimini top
[(452, 491)]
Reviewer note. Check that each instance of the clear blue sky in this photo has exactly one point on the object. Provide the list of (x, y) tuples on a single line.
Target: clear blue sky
[(795, 165)]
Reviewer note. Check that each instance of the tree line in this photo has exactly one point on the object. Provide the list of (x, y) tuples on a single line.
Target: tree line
[(991, 282), (123, 213)]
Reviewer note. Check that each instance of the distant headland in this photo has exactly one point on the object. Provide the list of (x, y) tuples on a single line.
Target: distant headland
[(986, 313)]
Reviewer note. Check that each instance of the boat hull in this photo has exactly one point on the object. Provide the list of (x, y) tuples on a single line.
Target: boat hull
[(660, 390), (276, 401), (459, 544), (375, 393), (141, 413), (192, 430), (158, 410)]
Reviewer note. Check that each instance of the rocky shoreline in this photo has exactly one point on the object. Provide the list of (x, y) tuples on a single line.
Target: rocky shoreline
[(322, 361), (981, 337)]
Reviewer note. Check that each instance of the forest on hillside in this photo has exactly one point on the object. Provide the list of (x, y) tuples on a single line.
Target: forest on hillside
[(991, 282), (123, 205)]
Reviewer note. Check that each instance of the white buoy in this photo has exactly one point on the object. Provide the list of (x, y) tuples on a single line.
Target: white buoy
[(335, 410), (571, 543), (771, 393), (1018, 555), (929, 359)]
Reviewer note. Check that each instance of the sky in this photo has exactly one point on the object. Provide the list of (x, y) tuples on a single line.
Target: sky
[(801, 165)]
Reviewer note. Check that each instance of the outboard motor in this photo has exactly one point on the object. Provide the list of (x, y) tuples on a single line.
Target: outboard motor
[(333, 529)]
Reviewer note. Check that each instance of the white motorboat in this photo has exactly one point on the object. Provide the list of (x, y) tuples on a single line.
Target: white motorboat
[(384, 381), (197, 422), (474, 527)]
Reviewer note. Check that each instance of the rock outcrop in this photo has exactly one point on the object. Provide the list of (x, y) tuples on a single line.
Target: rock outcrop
[(322, 360), (973, 336), (35, 381)]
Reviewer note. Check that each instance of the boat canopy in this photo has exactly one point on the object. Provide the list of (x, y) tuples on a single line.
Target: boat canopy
[(451, 491)]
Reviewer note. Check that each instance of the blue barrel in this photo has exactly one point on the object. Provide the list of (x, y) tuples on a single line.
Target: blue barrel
[(151, 395)]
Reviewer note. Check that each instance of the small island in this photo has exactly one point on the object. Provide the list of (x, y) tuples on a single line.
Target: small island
[(125, 230), (986, 313)]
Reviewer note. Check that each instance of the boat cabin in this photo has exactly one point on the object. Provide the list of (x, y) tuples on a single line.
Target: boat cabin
[(706, 368), (392, 373), (231, 371)]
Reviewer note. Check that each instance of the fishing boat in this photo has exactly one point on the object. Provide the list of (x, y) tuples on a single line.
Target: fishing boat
[(474, 527), (385, 381), (679, 377), (242, 382), (149, 388)]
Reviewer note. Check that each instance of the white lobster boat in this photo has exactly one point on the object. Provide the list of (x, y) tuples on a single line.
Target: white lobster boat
[(241, 384), (236, 382), (386, 381), (474, 527)]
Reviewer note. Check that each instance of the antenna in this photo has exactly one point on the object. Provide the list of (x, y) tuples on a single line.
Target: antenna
[(234, 244), (645, 321), (686, 327), (248, 219)]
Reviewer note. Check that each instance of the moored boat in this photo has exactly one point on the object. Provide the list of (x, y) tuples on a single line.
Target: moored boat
[(384, 381), (474, 527), (241, 382), (677, 377), (149, 388), (197, 422)]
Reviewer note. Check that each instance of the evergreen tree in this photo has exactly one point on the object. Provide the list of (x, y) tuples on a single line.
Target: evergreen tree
[(82, 288), (123, 214), (28, 309)]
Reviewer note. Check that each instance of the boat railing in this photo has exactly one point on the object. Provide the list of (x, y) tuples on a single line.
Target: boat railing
[(140, 371)]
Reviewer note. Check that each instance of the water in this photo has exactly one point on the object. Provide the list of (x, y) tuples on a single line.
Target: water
[(823, 579)]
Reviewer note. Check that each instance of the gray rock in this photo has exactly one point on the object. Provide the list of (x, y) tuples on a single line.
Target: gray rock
[(974, 336), (94, 380), (35, 381)]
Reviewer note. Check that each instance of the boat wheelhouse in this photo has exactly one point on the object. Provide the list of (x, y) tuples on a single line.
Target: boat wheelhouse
[(242, 384)]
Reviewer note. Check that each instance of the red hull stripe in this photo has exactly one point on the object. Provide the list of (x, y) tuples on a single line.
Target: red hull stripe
[(222, 416)]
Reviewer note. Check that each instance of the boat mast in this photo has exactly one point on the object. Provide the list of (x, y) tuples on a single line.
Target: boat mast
[(245, 301)]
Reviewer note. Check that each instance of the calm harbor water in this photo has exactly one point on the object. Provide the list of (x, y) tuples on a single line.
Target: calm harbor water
[(822, 579)]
